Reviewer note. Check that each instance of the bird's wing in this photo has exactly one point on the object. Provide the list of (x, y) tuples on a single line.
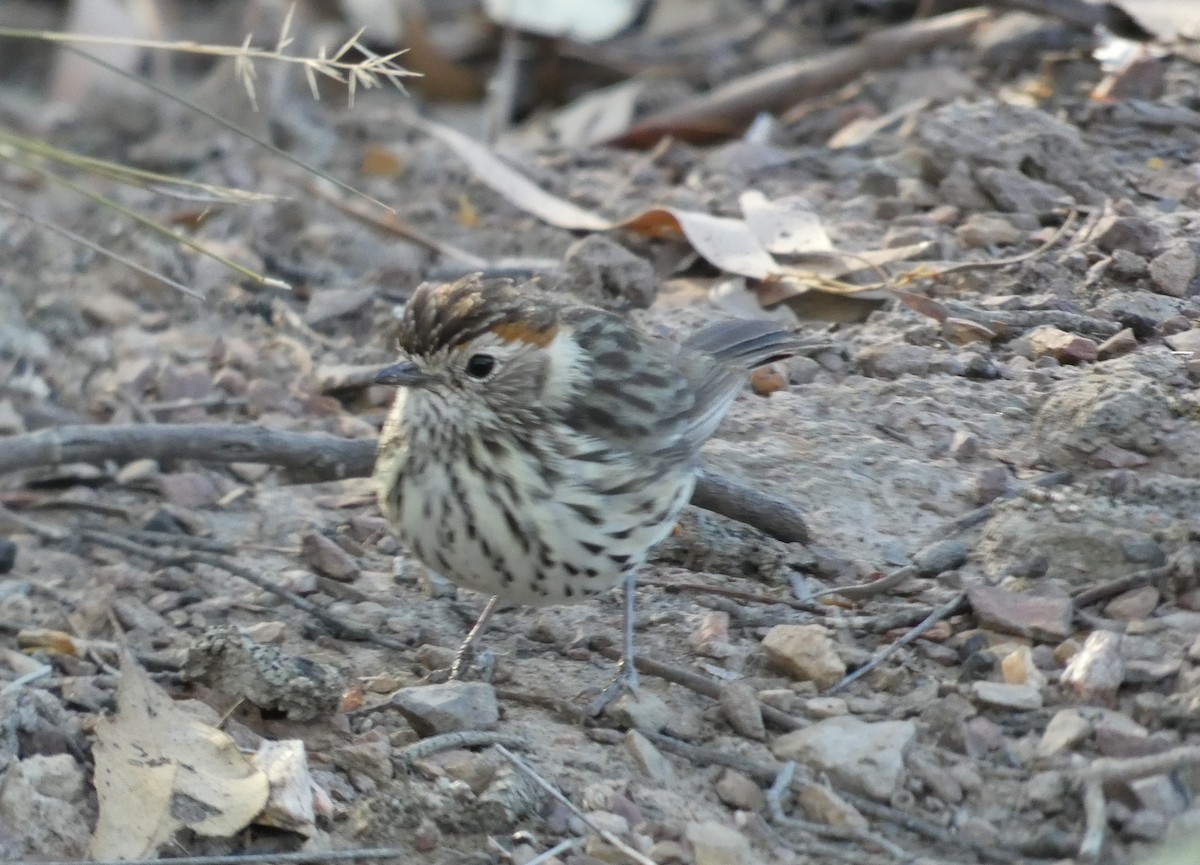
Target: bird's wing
[(648, 396)]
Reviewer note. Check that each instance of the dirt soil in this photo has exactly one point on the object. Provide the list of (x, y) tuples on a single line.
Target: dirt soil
[(1034, 456)]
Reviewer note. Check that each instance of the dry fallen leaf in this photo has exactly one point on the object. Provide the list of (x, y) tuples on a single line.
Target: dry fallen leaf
[(784, 226), (724, 242), (291, 804), (592, 117), (581, 20), (159, 770), (738, 246)]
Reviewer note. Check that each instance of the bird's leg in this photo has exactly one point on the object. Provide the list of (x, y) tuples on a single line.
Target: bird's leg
[(627, 677), (463, 655)]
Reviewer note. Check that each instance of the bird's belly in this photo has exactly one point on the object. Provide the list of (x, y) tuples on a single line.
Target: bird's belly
[(536, 546)]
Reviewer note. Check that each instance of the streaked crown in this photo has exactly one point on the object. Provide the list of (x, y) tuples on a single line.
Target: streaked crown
[(441, 317)]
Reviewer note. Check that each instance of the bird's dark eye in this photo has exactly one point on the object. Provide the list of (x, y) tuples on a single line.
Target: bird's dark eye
[(480, 365)]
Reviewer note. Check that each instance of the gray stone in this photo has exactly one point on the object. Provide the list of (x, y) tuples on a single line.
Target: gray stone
[(740, 791), (448, 707), (740, 706), (41, 808), (1131, 233), (601, 271), (1173, 270), (1006, 696), (643, 711), (648, 758), (939, 557), (805, 652), (1087, 412), (1066, 729), (1027, 615), (717, 844)]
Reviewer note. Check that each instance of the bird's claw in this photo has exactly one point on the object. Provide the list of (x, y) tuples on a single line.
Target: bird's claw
[(625, 680)]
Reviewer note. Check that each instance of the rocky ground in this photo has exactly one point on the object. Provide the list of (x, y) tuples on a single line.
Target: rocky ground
[(1020, 436)]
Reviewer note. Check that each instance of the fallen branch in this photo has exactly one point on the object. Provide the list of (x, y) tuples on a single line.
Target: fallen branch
[(1107, 770), (316, 457), (726, 111)]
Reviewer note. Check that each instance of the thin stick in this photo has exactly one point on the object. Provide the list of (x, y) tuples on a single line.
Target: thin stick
[(97, 248), (693, 682), (942, 612), (448, 741), (612, 839), (319, 457), (560, 847), (783, 783), (31, 676), (400, 854), (344, 628)]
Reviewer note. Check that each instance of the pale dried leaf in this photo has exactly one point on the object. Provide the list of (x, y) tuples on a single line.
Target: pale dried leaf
[(1166, 19), (785, 226), (581, 20), (159, 770)]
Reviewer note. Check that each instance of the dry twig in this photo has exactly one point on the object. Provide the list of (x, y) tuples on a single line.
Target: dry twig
[(306, 857), (319, 457), (691, 681), (612, 839), (427, 747), (783, 783), (1108, 769), (338, 625), (944, 611)]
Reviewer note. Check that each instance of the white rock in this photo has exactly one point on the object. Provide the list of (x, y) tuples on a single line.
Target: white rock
[(805, 652), (1066, 729), (864, 757), (716, 844), (1007, 696)]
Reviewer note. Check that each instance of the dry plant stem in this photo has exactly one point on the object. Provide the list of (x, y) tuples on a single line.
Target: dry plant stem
[(100, 250), (612, 839), (216, 118), (560, 847), (727, 109), (860, 591), (324, 457), (1021, 319), (737, 595), (308, 857), (766, 773), (449, 741), (319, 457), (783, 783), (993, 263), (985, 512), (1108, 769), (1095, 821), (339, 626), (394, 225), (31, 676), (693, 682), (944, 611)]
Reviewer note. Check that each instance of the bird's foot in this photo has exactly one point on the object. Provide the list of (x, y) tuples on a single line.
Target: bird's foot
[(626, 680), (467, 660)]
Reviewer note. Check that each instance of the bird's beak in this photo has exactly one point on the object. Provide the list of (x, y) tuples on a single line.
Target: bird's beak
[(403, 374)]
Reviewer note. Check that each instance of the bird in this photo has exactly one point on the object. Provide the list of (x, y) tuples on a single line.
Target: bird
[(538, 449)]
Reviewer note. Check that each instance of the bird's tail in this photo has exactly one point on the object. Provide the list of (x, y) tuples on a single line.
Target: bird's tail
[(750, 342)]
